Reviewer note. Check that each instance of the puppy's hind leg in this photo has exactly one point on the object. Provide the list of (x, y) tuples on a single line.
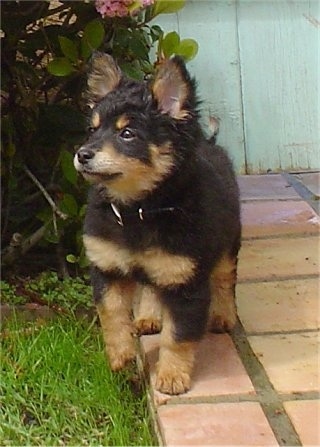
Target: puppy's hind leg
[(147, 311), (223, 312)]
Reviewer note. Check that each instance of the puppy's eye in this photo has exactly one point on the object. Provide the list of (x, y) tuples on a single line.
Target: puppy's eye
[(91, 129), (127, 134)]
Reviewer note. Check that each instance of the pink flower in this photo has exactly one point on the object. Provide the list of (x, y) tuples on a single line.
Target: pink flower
[(120, 8)]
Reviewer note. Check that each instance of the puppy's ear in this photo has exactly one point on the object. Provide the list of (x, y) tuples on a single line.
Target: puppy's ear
[(174, 89), (104, 76)]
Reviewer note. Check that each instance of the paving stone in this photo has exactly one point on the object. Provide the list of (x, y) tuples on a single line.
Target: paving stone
[(279, 306), (266, 187), (311, 180), (305, 416), (270, 218), (290, 360), (278, 258), (218, 370), (215, 424)]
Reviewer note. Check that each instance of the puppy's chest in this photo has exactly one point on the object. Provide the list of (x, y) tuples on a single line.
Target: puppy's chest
[(163, 269)]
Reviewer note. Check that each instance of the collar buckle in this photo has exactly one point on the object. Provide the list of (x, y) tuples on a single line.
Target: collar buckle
[(117, 213)]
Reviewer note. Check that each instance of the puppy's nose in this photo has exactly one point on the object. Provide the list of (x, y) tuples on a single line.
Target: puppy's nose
[(84, 155)]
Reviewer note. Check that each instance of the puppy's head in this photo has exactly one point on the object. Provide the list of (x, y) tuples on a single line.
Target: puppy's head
[(138, 133)]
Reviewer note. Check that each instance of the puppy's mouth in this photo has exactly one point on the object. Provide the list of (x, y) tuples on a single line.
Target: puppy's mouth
[(98, 176)]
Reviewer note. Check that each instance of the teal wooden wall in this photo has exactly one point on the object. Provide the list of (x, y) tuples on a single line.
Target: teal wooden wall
[(258, 71)]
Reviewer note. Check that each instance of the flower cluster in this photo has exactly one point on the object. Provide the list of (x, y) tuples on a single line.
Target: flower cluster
[(120, 8)]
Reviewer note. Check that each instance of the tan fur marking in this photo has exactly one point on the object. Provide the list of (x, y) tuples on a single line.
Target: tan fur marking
[(107, 255), (136, 178), (139, 178), (223, 312), (164, 269), (95, 120), (115, 316), (122, 122), (176, 361), (147, 311)]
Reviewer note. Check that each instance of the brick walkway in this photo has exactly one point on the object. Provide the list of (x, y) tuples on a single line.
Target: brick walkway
[(259, 385)]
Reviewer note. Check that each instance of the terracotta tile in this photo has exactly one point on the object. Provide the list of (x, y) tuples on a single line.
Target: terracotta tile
[(305, 416), (311, 180), (270, 218), (218, 369), (265, 187), (291, 361), (215, 424), (278, 258), (279, 306)]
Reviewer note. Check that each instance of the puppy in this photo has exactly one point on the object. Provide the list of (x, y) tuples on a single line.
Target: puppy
[(163, 215)]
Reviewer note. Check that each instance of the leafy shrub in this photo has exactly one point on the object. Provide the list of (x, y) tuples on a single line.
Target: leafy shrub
[(45, 51), (47, 289)]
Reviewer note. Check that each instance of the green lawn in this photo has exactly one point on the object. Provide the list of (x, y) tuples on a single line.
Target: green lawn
[(56, 389)]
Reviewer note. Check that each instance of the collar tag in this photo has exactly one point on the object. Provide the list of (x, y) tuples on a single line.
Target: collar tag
[(117, 214)]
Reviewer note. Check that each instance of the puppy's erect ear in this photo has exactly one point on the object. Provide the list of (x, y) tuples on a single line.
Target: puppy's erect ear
[(173, 89), (104, 76)]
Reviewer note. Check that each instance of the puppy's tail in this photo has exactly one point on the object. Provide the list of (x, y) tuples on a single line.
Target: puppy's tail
[(214, 125)]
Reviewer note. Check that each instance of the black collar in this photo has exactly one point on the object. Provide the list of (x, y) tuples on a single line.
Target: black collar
[(141, 213)]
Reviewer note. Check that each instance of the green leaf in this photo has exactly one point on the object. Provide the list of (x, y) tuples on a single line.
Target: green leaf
[(156, 33), (69, 172), (82, 213), (138, 48), (188, 49), (60, 67), (69, 205), (135, 5), (84, 262), (132, 70), (11, 149), (68, 48), (169, 43), (92, 38), (167, 6), (72, 259)]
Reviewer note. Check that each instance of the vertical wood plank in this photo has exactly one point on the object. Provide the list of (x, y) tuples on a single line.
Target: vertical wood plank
[(213, 24), (279, 52)]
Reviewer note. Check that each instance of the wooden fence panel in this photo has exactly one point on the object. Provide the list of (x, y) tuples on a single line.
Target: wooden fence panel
[(279, 46), (258, 70), (216, 67)]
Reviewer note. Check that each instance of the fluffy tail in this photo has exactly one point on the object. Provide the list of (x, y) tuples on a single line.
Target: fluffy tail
[(214, 128)]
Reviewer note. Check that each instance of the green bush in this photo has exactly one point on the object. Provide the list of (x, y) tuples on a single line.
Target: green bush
[(45, 51), (48, 289)]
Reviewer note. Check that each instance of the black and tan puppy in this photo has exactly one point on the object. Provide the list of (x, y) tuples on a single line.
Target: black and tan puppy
[(163, 216)]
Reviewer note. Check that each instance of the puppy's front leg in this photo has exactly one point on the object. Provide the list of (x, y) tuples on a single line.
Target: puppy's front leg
[(184, 323), (114, 302), (176, 360)]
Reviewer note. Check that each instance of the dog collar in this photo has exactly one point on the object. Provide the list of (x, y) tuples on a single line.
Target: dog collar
[(141, 213)]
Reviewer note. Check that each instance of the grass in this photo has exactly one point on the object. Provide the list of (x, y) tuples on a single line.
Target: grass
[(56, 389)]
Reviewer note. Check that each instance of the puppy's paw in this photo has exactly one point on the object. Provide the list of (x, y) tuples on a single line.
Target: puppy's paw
[(148, 326), (120, 358), (172, 382)]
